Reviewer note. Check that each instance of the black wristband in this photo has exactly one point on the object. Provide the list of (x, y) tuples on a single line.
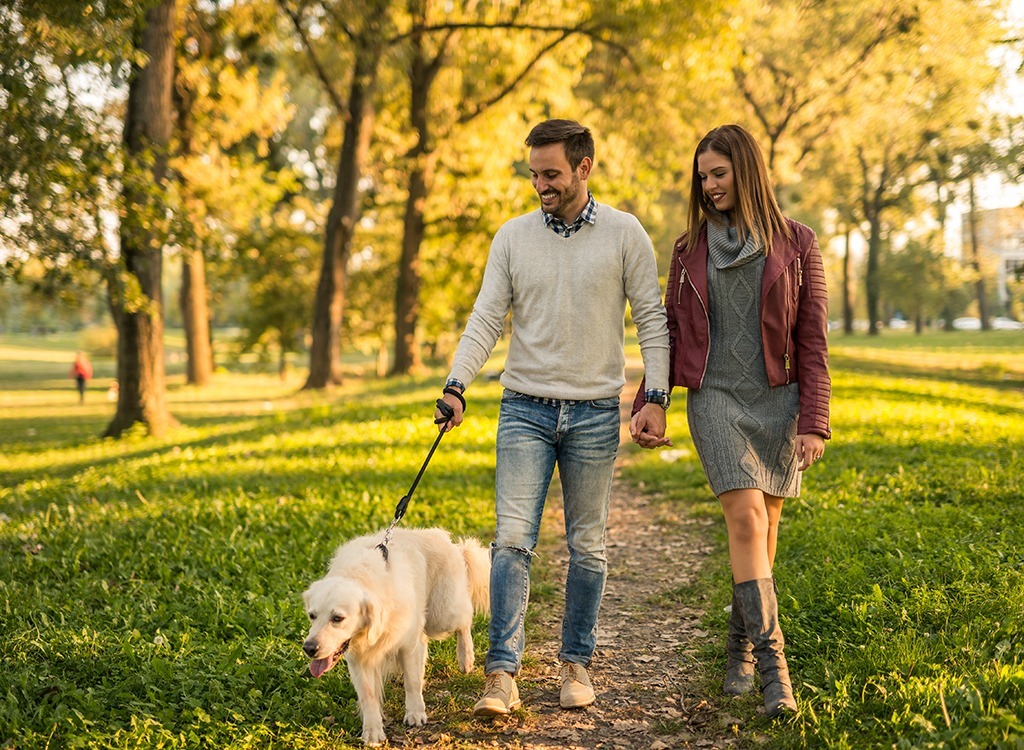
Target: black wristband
[(454, 392)]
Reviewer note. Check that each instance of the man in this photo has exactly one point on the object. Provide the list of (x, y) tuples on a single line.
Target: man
[(566, 272)]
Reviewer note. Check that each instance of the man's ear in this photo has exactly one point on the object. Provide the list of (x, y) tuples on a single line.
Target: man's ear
[(586, 164), (373, 617)]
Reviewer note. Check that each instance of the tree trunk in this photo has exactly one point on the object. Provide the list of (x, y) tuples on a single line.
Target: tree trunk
[(979, 284), (873, 281), (329, 304), (847, 303), (282, 360), (193, 299), (407, 293), (195, 316), (135, 293)]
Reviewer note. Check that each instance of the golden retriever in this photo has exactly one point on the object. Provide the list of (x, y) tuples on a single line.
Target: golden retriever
[(379, 613)]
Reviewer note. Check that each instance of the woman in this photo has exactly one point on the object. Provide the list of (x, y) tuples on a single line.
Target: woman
[(81, 371), (747, 317)]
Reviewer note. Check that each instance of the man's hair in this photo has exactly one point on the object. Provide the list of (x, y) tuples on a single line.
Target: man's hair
[(578, 140)]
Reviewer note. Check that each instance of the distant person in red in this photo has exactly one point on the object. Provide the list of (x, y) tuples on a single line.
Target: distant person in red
[(81, 371)]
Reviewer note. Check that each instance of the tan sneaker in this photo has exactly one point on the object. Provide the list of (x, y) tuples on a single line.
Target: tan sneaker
[(577, 691), (501, 696)]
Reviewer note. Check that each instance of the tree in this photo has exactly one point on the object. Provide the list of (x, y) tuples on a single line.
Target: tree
[(799, 65), (361, 32), (57, 169), (920, 87), (278, 258), (958, 159), (136, 297), (916, 277), (231, 105)]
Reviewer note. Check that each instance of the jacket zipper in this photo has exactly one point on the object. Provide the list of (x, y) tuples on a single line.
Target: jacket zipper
[(707, 318), (789, 310)]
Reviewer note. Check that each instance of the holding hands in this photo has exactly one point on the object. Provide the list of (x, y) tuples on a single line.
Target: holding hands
[(647, 427)]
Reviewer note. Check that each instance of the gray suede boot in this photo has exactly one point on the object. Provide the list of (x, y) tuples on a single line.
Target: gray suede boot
[(760, 610), (739, 672)]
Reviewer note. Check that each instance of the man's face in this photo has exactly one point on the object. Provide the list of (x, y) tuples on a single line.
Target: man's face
[(562, 189)]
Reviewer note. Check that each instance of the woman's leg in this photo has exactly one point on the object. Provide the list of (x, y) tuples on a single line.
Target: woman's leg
[(773, 505), (752, 520), (748, 523)]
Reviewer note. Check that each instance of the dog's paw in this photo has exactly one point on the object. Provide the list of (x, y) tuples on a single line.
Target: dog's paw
[(415, 718), (374, 737)]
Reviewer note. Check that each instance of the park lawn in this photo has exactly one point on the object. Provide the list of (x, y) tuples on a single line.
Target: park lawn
[(150, 586), (900, 568)]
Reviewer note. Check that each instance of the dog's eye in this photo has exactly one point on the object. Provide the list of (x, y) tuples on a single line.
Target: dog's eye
[(312, 615), (336, 619)]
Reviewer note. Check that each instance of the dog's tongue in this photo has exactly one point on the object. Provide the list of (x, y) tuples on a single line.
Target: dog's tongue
[(318, 666)]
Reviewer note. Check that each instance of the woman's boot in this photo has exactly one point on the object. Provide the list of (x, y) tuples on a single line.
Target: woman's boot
[(760, 610), (739, 673)]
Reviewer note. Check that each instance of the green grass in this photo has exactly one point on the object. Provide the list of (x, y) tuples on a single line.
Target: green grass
[(149, 587), (150, 594), (900, 567)]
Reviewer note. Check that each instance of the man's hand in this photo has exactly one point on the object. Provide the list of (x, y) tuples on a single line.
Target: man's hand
[(455, 420), (648, 427)]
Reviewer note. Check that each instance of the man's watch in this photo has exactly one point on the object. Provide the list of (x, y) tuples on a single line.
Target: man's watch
[(660, 398)]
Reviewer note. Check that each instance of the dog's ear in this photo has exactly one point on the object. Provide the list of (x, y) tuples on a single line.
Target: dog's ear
[(373, 617)]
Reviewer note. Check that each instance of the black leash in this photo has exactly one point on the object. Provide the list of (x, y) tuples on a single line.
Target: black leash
[(447, 412)]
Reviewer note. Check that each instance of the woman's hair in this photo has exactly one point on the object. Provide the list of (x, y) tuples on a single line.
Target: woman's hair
[(579, 143), (756, 211)]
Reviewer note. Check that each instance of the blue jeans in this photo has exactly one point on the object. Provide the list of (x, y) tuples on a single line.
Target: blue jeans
[(582, 438)]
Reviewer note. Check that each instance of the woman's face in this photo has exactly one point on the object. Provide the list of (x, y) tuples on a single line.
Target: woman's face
[(716, 178)]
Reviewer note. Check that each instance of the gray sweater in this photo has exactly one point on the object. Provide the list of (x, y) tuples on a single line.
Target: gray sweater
[(568, 301)]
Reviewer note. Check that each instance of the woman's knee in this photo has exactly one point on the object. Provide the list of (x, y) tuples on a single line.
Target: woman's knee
[(746, 521)]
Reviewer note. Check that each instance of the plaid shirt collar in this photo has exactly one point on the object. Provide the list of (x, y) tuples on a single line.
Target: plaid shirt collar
[(587, 216)]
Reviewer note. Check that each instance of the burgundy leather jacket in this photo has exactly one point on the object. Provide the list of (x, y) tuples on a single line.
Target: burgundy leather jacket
[(794, 322)]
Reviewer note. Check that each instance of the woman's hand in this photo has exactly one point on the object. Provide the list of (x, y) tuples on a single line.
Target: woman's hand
[(809, 448), (647, 427)]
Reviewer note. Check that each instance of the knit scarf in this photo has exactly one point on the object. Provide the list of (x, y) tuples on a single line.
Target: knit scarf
[(725, 249)]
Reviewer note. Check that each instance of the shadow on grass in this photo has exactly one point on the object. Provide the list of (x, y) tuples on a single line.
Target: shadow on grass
[(987, 375), (240, 429)]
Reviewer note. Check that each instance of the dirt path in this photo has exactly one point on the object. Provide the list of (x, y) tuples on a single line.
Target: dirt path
[(646, 677), (649, 683)]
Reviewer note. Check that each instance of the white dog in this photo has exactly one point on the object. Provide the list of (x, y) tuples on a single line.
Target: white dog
[(379, 613)]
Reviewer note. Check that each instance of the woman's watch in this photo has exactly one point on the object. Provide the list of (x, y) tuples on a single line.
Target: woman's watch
[(661, 398)]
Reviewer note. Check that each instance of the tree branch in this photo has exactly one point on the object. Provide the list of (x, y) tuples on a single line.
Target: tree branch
[(336, 99), (482, 107), (512, 25)]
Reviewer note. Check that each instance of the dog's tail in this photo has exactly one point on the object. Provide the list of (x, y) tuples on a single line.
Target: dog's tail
[(478, 565)]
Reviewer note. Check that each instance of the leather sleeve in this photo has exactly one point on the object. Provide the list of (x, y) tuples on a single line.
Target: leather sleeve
[(811, 338)]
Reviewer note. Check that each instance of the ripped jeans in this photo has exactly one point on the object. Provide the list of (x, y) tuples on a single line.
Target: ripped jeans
[(582, 438)]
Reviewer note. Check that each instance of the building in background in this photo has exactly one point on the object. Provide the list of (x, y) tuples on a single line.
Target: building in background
[(1000, 233)]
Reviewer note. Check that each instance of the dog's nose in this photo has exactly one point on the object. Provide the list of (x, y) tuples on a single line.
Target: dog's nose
[(310, 648)]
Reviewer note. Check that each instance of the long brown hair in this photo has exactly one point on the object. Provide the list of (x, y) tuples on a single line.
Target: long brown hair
[(756, 211)]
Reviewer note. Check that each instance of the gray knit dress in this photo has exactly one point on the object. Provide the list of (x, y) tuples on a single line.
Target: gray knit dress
[(744, 429)]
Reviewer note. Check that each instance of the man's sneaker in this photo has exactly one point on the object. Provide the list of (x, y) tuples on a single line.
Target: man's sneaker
[(500, 696), (577, 691)]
